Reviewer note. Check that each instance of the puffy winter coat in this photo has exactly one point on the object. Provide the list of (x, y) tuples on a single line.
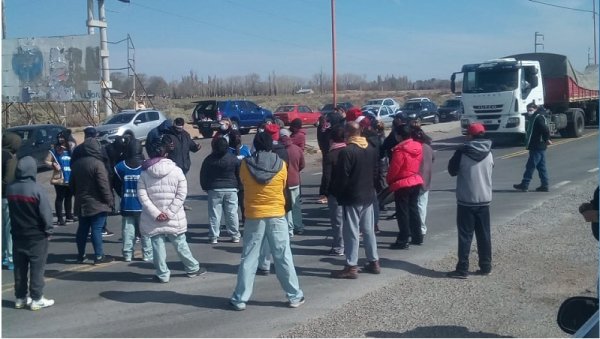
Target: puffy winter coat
[(162, 187), (405, 164)]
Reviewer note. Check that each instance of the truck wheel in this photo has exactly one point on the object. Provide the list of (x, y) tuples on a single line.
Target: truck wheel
[(574, 128), (206, 132)]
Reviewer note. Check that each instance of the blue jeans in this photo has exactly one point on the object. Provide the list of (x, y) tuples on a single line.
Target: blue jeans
[(359, 218), (294, 216), (129, 223), (7, 245), (336, 217), (223, 202), (537, 160), (96, 223), (275, 230), (160, 254)]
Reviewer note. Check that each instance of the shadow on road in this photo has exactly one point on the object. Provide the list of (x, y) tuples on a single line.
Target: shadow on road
[(170, 297), (443, 331)]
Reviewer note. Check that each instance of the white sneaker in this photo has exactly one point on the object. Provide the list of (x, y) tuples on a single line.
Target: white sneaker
[(20, 303), (41, 303)]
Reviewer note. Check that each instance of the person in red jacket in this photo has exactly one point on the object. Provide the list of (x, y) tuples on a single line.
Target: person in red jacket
[(298, 136), (295, 166), (405, 181)]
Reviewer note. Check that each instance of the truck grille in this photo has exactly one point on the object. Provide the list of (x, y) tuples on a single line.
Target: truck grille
[(492, 127), (488, 109), (489, 116)]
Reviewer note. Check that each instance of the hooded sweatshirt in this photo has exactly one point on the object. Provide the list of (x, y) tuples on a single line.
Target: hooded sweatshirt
[(405, 164), (162, 187), (153, 138), (127, 174), (355, 173), (220, 171), (264, 176), (299, 138), (473, 164), (30, 211), (11, 142), (90, 180), (295, 161)]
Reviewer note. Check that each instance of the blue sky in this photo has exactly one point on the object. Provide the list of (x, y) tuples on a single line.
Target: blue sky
[(421, 39)]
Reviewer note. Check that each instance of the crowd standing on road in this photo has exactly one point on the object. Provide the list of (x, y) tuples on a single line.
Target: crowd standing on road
[(363, 171)]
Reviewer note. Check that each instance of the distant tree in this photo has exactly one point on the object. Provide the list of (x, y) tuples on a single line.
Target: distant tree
[(157, 86)]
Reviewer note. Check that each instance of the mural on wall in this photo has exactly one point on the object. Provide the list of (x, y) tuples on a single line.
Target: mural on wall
[(63, 68)]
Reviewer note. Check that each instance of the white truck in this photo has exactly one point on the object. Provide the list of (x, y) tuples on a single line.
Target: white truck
[(496, 93)]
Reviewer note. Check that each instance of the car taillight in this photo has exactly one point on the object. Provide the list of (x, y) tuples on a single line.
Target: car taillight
[(219, 115)]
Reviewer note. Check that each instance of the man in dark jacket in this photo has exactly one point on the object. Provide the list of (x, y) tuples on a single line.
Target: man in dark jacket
[(183, 146), (354, 181), (220, 178), (336, 215), (537, 140), (11, 142), (93, 198), (153, 138), (473, 164), (31, 216)]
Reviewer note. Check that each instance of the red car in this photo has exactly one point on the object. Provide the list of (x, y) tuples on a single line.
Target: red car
[(287, 113)]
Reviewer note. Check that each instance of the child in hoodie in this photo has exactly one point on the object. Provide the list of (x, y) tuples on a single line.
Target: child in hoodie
[(31, 220), (127, 174)]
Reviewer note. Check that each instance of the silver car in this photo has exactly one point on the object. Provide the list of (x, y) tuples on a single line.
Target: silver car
[(129, 123), (382, 113)]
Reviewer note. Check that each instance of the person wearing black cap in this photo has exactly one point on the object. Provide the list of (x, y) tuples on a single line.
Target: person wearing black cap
[(537, 140), (472, 164)]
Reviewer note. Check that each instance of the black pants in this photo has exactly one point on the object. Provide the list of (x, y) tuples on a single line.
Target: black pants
[(407, 215), (64, 196), (476, 219), (29, 256)]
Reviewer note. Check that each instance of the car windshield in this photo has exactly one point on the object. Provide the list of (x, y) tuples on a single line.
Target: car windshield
[(494, 80), (121, 118), (452, 103), (375, 102), (412, 106), (285, 109)]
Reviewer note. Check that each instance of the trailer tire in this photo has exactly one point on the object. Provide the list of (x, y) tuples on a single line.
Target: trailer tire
[(574, 127)]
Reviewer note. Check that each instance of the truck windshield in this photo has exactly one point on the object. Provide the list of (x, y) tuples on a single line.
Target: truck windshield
[(486, 81)]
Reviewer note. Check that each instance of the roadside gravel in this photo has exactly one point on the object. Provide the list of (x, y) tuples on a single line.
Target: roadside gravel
[(541, 257)]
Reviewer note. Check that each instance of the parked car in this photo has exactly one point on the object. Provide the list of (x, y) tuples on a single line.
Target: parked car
[(328, 108), (451, 110), (287, 113), (419, 99), (36, 140), (422, 111), (389, 102), (382, 113), (131, 124), (244, 115)]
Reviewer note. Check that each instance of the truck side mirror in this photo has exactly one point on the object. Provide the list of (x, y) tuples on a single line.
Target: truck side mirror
[(452, 84)]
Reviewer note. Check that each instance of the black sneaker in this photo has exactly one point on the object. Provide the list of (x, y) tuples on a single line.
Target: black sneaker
[(200, 271), (72, 219), (483, 273), (542, 189), (521, 187), (83, 260), (335, 253), (107, 233), (457, 275), (103, 260), (262, 272), (399, 246)]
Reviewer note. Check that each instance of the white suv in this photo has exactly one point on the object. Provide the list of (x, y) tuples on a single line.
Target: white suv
[(129, 123), (389, 102)]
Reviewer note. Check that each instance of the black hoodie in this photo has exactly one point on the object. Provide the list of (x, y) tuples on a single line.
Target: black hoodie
[(30, 211)]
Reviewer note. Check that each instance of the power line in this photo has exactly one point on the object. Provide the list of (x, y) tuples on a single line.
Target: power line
[(564, 7)]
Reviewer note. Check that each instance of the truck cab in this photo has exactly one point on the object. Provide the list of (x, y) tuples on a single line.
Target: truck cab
[(496, 93)]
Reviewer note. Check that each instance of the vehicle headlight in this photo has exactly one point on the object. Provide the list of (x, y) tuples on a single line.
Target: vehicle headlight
[(413, 115), (113, 131), (513, 122), (454, 112)]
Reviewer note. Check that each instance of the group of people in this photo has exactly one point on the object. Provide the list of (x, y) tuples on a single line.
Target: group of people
[(362, 168)]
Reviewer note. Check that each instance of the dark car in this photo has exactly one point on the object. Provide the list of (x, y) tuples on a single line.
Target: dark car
[(243, 114), (37, 140), (451, 110), (422, 111), (328, 108)]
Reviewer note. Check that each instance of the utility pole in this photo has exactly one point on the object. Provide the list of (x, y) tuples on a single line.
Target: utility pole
[(594, 18), (3, 21), (536, 43), (105, 83), (90, 18), (333, 52)]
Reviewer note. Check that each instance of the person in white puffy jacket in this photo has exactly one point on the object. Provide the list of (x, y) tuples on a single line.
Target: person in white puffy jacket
[(162, 189)]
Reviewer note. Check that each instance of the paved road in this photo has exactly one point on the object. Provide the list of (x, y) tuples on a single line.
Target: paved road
[(120, 299)]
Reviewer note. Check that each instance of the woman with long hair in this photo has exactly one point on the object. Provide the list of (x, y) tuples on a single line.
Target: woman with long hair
[(59, 158)]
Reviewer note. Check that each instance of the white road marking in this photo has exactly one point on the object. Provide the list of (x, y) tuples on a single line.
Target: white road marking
[(593, 170), (318, 173), (560, 184)]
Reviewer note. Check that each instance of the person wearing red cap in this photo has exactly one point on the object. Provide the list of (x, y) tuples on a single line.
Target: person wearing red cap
[(352, 114), (472, 164)]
